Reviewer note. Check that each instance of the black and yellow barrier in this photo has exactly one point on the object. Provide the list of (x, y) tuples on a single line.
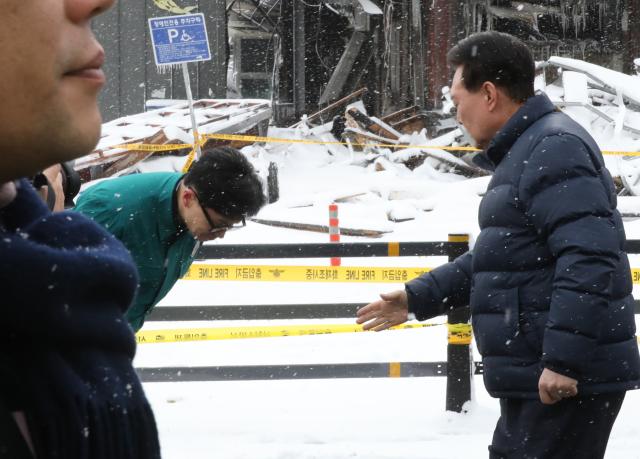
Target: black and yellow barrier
[(263, 312), (254, 312), (333, 249), (458, 351), (299, 371), (458, 347)]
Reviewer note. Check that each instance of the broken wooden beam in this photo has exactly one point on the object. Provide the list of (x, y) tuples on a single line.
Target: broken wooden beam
[(371, 125), (464, 167), (320, 228), (400, 115), (331, 109)]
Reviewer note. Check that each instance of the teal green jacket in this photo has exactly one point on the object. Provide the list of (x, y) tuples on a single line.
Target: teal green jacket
[(140, 210)]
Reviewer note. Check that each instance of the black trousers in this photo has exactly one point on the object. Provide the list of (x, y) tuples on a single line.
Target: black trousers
[(576, 427)]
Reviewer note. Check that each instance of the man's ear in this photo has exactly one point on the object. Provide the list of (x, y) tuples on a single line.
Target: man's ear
[(187, 197), (490, 94)]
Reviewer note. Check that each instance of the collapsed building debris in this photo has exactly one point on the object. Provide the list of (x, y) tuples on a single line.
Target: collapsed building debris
[(409, 143), (305, 55), (170, 129), (604, 101), (373, 71), (398, 48)]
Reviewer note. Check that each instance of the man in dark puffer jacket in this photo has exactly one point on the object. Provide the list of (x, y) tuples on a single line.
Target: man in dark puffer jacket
[(548, 282)]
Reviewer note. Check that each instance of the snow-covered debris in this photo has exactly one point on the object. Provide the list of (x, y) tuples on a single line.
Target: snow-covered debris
[(405, 162), (170, 125), (604, 78)]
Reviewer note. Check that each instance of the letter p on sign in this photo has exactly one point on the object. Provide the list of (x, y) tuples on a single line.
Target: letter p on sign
[(173, 33)]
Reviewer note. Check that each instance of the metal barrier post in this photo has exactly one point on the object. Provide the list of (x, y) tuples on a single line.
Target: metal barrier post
[(334, 230), (459, 370)]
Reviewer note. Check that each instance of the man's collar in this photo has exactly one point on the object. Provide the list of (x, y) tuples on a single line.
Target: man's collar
[(179, 223), (531, 111)]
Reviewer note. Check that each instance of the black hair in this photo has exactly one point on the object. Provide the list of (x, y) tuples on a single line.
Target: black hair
[(497, 57), (226, 182)]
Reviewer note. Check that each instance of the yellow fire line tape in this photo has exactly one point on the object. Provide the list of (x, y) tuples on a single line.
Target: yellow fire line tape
[(271, 331), (281, 273), (459, 333), (189, 162), (253, 138), (621, 153), (151, 147), (265, 273)]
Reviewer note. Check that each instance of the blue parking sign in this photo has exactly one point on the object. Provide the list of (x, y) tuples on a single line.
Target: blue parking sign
[(179, 39)]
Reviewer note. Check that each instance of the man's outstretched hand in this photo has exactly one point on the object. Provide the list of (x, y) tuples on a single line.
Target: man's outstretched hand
[(392, 309)]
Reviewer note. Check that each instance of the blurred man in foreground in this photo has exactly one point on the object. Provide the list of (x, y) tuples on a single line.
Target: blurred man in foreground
[(68, 387)]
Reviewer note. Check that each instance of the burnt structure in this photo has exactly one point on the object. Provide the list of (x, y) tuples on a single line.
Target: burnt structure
[(306, 54), (321, 51)]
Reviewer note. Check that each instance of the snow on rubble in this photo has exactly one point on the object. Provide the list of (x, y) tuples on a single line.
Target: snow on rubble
[(388, 170)]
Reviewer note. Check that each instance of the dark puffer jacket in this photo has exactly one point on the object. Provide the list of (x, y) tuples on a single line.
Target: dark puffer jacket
[(548, 282), (66, 349)]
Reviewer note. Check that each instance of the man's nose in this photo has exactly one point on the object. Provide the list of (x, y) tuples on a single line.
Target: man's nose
[(218, 234), (79, 11)]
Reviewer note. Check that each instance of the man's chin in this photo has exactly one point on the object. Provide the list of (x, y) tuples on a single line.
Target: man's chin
[(84, 137), (84, 121), (64, 140), (74, 125), (207, 237)]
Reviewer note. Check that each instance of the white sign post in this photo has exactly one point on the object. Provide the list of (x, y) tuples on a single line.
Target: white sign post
[(178, 40)]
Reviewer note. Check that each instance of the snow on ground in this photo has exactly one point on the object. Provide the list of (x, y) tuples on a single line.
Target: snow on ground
[(388, 418), (391, 418), (358, 418)]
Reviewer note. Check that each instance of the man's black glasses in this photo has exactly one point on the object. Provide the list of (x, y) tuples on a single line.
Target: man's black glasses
[(218, 228)]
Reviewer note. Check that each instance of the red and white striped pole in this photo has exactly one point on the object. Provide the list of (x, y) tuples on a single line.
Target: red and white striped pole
[(334, 230)]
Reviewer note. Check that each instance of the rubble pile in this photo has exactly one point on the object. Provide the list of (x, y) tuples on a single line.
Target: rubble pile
[(605, 102), (170, 126), (427, 150)]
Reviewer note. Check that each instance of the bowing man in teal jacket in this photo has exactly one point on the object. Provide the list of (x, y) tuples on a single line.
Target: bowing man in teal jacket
[(162, 217)]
